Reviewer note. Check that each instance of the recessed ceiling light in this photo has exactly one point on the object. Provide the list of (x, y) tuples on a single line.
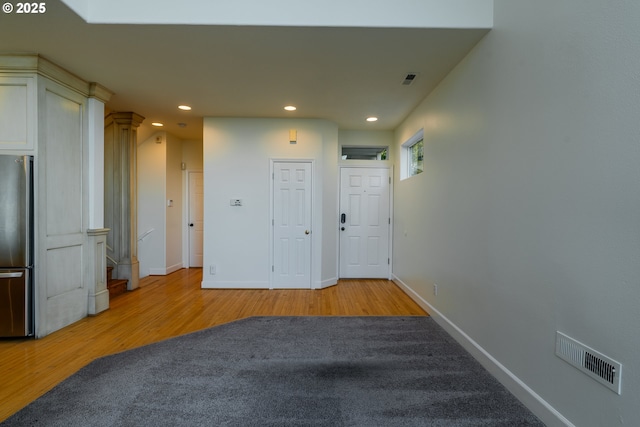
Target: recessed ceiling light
[(184, 107), (372, 119), (290, 108), (157, 124)]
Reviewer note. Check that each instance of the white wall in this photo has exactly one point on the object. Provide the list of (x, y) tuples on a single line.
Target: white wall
[(527, 214), (174, 224), (352, 138), (237, 155), (192, 154), (152, 210)]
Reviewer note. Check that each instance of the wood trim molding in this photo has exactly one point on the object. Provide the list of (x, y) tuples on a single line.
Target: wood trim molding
[(96, 90), (97, 231), (124, 118), (27, 63)]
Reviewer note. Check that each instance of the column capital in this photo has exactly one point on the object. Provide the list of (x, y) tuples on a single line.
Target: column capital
[(99, 92), (98, 231), (127, 118)]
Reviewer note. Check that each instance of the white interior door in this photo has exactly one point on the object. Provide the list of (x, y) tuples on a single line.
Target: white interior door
[(196, 212), (364, 222), (291, 225)]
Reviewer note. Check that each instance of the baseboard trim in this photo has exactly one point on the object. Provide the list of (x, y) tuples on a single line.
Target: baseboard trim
[(534, 402), (326, 283), (211, 284), (165, 271), (174, 268)]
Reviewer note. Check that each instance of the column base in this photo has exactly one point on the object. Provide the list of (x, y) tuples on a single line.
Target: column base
[(96, 271), (131, 272)]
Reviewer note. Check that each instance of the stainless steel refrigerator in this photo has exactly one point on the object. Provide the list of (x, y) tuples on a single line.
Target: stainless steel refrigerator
[(16, 246)]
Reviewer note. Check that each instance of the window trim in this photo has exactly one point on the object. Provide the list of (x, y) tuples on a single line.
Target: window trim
[(406, 154), (379, 148)]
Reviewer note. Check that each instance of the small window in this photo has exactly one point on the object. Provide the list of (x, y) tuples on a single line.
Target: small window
[(413, 155), (364, 153)]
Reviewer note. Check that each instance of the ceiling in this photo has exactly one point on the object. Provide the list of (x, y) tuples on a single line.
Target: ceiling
[(341, 74)]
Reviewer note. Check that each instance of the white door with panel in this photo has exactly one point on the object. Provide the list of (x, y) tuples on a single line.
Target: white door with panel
[(291, 225), (364, 222), (196, 218)]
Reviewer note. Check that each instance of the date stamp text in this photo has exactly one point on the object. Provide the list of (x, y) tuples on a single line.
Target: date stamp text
[(24, 8)]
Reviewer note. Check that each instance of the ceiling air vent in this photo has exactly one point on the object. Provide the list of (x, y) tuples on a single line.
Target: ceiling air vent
[(596, 365), (409, 78)]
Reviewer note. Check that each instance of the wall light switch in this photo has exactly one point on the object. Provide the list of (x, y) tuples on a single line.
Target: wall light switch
[(170, 203)]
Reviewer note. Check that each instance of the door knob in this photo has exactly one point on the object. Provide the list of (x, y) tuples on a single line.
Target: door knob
[(306, 232), (342, 228), (191, 225)]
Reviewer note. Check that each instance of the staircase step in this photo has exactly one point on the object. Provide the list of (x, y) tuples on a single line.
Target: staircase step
[(117, 287)]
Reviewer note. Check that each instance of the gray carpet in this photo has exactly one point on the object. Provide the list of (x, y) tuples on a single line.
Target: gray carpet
[(286, 371)]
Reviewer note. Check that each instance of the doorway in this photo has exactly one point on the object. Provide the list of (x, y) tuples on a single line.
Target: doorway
[(291, 222), (365, 222)]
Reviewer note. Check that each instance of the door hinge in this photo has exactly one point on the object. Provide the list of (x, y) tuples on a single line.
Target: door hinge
[(389, 180), (388, 261), (273, 222), (389, 221), (272, 269)]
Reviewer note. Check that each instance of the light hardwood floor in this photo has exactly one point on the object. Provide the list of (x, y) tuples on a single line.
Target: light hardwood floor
[(167, 306)]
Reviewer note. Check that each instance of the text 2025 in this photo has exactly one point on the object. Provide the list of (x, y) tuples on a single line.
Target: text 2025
[(31, 7)]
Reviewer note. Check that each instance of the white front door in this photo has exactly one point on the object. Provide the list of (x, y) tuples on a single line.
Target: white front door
[(364, 222), (291, 225), (196, 211)]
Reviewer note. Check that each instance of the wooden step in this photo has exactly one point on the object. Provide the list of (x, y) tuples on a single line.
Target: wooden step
[(117, 287)]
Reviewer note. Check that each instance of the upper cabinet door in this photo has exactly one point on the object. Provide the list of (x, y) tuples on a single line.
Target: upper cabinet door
[(18, 124)]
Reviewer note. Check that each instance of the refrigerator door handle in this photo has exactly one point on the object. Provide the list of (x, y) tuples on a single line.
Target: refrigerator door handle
[(11, 275)]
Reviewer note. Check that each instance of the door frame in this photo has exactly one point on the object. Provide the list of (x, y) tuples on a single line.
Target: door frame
[(339, 192), (186, 243), (312, 263)]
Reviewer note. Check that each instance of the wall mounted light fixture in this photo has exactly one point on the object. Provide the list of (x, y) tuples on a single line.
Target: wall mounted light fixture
[(293, 136)]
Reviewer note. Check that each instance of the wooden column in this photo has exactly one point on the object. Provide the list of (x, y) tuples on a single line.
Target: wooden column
[(121, 195)]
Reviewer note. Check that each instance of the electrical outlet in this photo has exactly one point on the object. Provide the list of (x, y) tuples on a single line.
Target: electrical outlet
[(435, 289), (212, 269)]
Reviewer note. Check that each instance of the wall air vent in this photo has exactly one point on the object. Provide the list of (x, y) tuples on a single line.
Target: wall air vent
[(409, 78), (596, 365)]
